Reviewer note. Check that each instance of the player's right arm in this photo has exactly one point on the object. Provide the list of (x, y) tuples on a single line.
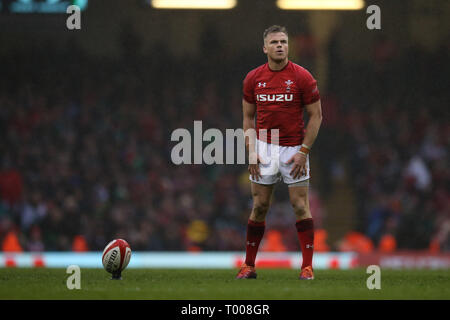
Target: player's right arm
[(249, 112)]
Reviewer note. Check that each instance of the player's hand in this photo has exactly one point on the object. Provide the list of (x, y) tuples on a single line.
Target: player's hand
[(253, 167), (299, 168)]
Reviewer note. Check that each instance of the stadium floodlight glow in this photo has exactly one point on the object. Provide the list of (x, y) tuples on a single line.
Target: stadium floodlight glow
[(193, 4), (320, 4)]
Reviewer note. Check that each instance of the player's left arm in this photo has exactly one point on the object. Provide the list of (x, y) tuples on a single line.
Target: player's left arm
[(314, 111)]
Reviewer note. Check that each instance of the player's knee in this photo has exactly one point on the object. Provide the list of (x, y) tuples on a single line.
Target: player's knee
[(260, 209), (300, 209)]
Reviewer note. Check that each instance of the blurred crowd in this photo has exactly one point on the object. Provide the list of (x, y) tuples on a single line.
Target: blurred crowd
[(392, 120), (85, 150)]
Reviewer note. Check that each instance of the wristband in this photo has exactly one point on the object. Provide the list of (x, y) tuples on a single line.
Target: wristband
[(301, 152), (304, 149), (307, 147)]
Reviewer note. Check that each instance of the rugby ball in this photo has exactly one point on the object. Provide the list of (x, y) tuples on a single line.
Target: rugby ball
[(116, 256)]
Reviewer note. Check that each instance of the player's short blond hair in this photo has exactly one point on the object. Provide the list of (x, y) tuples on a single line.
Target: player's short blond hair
[(274, 29)]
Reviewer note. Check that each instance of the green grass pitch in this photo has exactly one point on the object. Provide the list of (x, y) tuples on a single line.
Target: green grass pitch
[(209, 284)]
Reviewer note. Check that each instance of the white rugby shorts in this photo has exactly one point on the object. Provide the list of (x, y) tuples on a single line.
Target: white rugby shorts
[(274, 166)]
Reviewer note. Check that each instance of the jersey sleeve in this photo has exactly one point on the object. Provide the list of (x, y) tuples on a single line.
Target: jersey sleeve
[(249, 88), (309, 92)]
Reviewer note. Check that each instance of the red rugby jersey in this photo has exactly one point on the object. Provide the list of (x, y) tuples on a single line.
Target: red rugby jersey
[(280, 97)]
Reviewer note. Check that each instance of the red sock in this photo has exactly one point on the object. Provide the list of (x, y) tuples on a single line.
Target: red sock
[(255, 232), (305, 231)]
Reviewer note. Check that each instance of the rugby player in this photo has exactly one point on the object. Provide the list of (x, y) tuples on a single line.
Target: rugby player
[(277, 93)]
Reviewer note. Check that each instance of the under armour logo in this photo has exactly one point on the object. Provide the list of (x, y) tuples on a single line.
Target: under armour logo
[(261, 84), (251, 243), (309, 246)]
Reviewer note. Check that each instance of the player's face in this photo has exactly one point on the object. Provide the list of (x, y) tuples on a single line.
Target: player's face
[(276, 46)]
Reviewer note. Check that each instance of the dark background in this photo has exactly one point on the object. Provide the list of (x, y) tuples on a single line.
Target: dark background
[(86, 117)]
